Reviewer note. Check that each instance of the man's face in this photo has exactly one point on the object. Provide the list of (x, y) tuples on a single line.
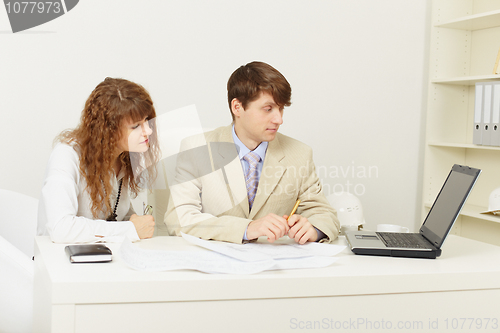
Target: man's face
[(259, 121)]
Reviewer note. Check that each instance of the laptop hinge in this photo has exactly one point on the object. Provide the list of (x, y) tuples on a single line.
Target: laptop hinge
[(427, 239)]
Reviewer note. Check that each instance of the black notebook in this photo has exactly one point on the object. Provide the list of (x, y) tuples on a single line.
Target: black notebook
[(88, 253)]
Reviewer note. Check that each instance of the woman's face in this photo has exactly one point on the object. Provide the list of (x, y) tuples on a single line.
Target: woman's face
[(135, 136)]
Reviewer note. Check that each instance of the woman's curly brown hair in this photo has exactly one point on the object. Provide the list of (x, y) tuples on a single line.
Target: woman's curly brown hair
[(96, 139)]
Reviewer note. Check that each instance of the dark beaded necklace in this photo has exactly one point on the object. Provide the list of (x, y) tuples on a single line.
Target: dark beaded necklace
[(112, 216)]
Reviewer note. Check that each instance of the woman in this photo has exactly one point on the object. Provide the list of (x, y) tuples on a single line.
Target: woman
[(95, 167)]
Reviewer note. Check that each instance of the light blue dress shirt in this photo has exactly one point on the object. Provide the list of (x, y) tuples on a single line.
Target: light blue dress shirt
[(243, 150)]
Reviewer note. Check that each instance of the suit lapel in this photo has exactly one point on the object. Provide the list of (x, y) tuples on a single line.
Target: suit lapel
[(272, 172)]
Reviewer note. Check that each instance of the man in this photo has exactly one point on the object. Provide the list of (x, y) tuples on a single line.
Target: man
[(240, 182)]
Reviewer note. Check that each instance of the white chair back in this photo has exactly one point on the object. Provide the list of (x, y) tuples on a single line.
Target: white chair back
[(18, 220), (16, 289)]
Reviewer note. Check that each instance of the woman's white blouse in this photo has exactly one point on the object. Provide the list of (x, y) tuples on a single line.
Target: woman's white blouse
[(64, 211)]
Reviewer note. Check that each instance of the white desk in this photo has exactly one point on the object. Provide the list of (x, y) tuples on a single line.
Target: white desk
[(356, 294)]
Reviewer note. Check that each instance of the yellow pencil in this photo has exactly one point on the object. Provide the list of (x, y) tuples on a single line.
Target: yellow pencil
[(294, 209)]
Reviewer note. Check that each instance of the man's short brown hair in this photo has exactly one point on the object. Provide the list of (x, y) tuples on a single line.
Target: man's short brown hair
[(247, 82)]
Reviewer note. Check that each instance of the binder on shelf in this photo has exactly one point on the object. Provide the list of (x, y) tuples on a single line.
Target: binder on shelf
[(486, 123), (478, 114), (496, 69), (495, 116)]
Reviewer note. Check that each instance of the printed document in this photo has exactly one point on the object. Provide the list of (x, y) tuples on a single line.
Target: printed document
[(228, 258)]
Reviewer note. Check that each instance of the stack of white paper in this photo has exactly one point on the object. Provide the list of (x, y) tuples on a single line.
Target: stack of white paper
[(204, 261), (231, 258)]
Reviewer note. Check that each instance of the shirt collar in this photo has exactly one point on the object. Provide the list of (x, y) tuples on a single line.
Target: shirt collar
[(243, 150)]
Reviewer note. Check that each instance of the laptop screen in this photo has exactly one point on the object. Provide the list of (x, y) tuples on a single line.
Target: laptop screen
[(448, 203)]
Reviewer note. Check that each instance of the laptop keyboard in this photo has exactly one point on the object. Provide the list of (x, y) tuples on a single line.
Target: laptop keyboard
[(405, 240)]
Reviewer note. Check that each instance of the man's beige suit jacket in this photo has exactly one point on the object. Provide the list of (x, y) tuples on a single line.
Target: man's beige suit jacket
[(209, 198)]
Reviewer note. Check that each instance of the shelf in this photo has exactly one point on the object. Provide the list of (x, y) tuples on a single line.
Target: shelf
[(474, 22), (467, 80), (462, 48), (475, 212), (462, 145)]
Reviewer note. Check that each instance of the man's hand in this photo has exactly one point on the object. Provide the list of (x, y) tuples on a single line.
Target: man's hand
[(271, 225), (144, 225), (301, 230)]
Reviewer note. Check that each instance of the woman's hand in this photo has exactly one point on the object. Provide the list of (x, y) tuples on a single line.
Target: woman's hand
[(144, 225)]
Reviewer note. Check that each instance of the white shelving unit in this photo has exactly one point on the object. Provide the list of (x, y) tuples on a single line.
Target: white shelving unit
[(465, 40)]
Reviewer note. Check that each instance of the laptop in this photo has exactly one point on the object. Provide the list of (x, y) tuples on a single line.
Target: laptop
[(433, 232)]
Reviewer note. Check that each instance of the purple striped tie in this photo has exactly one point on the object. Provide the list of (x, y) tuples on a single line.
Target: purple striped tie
[(251, 177)]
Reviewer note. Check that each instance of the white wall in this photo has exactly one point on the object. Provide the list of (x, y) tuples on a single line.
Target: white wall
[(357, 70)]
